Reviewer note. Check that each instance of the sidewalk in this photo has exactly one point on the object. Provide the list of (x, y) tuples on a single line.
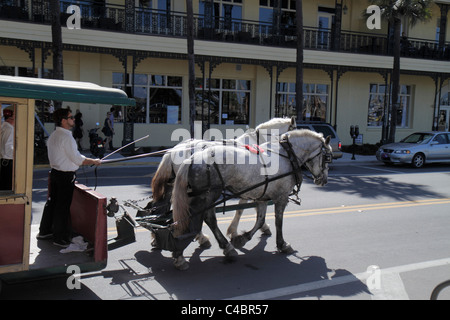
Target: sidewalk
[(347, 159)]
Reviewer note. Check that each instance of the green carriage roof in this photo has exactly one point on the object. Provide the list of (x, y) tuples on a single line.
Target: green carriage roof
[(62, 90)]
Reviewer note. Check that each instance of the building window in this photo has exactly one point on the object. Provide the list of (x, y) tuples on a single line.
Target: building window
[(378, 99), (285, 20), (377, 102), (315, 101), (158, 97), (404, 107), (229, 10), (228, 101), (44, 108)]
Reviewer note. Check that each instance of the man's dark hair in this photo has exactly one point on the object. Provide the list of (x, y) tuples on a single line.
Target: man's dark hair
[(8, 113), (60, 114)]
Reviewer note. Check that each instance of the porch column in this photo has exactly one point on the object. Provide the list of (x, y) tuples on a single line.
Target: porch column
[(442, 27)]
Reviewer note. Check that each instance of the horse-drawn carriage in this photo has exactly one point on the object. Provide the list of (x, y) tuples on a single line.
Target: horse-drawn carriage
[(213, 172), (21, 256), (262, 169)]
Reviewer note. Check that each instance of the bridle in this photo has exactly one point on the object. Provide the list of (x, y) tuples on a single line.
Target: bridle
[(297, 163)]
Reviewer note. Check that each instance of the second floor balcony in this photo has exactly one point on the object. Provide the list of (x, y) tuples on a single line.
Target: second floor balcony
[(144, 21)]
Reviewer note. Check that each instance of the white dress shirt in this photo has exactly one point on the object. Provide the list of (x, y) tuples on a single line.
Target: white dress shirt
[(63, 153), (7, 141)]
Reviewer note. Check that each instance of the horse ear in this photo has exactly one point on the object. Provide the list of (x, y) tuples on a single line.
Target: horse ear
[(327, 140)]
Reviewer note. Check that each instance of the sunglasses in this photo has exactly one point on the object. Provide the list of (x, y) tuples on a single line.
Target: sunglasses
[(71, 117)]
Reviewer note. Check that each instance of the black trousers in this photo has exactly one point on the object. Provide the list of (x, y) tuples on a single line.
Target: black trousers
[(56, 215), (6, 174)]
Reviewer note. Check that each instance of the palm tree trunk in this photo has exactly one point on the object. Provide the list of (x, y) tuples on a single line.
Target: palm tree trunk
[(191, 58), (395, 81), (299, 71), (57, 46)]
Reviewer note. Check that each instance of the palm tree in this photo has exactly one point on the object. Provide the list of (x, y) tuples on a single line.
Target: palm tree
[(191, 58), (395, 11), (299, 70), (57, 45)]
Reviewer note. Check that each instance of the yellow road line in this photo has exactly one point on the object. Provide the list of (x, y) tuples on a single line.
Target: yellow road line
[(334, 210)]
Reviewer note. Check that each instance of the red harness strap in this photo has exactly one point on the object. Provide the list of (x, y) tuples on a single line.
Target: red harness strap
[(254, 148)]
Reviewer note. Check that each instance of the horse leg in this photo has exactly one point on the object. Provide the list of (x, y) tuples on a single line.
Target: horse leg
[(203, 240), (228, 249), (232, 229), (282, 245), (179, 262), (241, 240)]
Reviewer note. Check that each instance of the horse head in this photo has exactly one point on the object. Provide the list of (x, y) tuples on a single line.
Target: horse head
[(313, 151), (274, 128)]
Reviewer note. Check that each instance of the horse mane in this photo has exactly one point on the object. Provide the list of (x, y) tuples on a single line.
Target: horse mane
[(306, 133), (274, 123)]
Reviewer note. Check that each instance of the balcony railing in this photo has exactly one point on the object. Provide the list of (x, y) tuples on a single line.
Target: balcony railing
[(173, 24)]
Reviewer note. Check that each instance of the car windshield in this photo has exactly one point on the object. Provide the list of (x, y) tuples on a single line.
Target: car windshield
[(418, 138)]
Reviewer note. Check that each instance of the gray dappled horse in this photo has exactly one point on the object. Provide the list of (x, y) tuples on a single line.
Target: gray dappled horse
[(210, 174), (172, 160)]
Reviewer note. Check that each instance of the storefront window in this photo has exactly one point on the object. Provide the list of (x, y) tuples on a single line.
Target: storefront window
[(228, 101), (376, 105), (158, 97), (378, 99), (315, 101)]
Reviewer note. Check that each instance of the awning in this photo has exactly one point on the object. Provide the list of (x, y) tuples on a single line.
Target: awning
[(61, 90)]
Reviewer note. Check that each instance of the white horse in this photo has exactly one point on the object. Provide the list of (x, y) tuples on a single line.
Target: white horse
[(208, 175), (167, 170)]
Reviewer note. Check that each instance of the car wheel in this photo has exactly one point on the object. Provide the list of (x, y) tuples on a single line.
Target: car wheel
[(418, 161)]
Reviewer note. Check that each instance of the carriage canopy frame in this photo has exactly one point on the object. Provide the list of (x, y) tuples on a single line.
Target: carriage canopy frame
[(62, 90)]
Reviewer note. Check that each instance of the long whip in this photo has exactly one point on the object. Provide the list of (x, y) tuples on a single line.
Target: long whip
[(125, 147)]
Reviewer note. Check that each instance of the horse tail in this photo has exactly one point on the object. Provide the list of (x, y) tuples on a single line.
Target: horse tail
[(180, 200), (162, 177)]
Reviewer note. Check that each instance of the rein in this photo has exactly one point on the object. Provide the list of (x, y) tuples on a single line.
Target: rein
[(296, 164)]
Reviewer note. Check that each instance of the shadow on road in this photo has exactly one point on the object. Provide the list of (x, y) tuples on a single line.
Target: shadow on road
[(210, 278), (373, 187)]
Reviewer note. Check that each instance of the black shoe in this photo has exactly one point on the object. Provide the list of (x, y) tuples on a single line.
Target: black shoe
[(61, 243), (44, 236)]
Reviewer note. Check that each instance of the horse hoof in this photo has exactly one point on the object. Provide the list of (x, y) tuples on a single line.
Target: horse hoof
[(182, 267), (265, 231), (230, 253), (238, 241), (205, 245), (286, 248), (181, 264), (203, 242)]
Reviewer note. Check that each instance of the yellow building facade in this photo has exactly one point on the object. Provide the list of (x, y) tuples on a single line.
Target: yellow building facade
[(245, 63)]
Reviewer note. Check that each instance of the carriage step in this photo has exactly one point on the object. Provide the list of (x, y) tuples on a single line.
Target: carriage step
[(125, 232)]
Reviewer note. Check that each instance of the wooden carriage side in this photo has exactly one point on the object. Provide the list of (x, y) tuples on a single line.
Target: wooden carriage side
[(88, 209)]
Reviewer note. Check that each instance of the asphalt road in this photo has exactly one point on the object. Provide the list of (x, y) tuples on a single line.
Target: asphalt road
[(374, 232)]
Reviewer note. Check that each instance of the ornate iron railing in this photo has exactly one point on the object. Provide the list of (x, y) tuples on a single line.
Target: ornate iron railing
[(141, 20)]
